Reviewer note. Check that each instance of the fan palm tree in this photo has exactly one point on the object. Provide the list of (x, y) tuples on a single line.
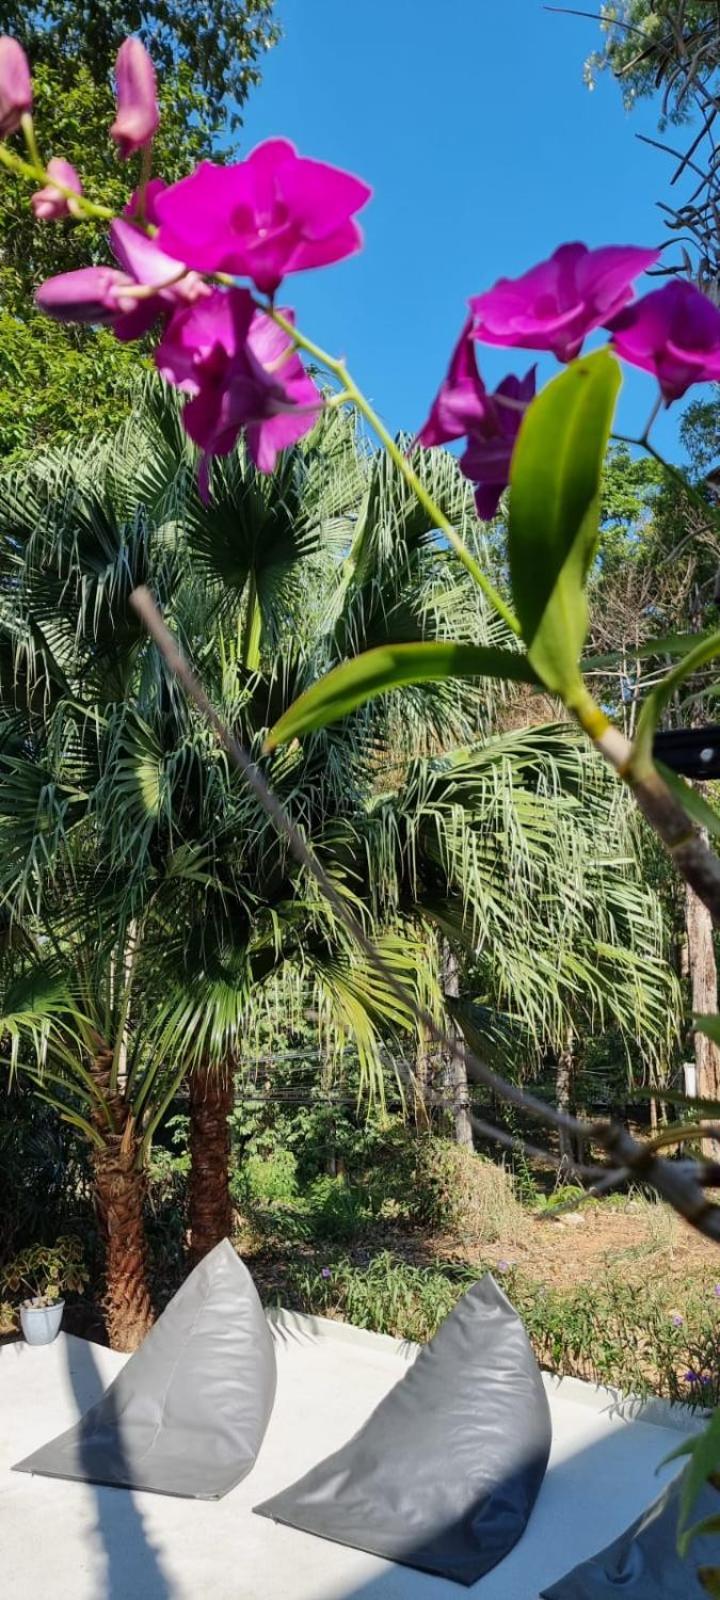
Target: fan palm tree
[(154, 890)]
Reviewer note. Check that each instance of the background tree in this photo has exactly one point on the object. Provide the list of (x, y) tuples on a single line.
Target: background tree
[(156, 897), (220, 45), (55, 380)]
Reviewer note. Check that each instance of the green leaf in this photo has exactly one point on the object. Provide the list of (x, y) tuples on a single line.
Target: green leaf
[(391, 666), (691, 800), (704, 1453), (709, 1025), (553, 525), (700, 1529), (700, 1104), (710, 1580), (671, 644), (658, 699)]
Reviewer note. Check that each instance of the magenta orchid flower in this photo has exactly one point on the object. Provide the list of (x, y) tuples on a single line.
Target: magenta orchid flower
[(461, 402), (106, 295), (15, 85), (463, 408), (137, 109), (555, 304), (149, 195), (486, 461), (274, 213), (673, 332), (49, 203), (242, 376)]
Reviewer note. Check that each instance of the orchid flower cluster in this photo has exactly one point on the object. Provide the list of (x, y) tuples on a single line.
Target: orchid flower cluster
[(183, 250)]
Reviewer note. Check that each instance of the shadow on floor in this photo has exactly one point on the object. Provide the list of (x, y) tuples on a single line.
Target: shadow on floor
[(133, 1564)]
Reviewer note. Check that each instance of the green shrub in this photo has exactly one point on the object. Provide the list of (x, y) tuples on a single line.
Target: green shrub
[(43, 1272), (266, 1179), (387, 1296), (432, 1183), (622, 1333)]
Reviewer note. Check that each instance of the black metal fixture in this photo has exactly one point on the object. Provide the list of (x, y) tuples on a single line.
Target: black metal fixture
[(694, 752)]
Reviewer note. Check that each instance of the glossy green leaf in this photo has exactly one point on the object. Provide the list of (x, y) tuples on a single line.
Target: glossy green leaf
[(691, 800), (670, 644), (659, 698), (554, 512), (709, 1025), (701, 1105), (704, 1453), (391, 666)]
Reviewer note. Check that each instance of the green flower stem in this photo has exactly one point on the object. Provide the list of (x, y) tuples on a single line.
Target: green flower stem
[(146, 159), (352, 395), (31, 144), (37, 174)]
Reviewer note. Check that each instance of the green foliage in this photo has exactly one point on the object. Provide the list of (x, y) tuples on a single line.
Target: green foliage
[(703, 1466), (658, 699), (217, 49), (391, 1175), (629, 493), (387, 1296), (56, 386), (391, 667), (450, 1189), (43, 1273), (553, 526), (615, 1331), (644, 40), (56, 381), (59, 382)]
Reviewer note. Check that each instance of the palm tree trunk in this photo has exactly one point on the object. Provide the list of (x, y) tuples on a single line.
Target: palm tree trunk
[(422, 1080), (702, 972), (456, 1076), (564, 1093), (212, 1093), (119, 1197)]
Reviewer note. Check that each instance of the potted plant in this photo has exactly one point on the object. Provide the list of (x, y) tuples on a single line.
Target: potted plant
[(40, 1275)]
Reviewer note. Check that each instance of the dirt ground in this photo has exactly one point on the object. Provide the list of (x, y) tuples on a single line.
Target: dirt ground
[(559, 1252)]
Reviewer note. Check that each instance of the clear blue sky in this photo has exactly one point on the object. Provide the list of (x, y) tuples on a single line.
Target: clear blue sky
[(485, 150)]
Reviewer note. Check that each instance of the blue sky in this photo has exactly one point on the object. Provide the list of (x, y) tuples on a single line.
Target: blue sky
[(485, 150)]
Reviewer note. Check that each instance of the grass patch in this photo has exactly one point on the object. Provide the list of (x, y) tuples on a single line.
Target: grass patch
[(623, 1333)]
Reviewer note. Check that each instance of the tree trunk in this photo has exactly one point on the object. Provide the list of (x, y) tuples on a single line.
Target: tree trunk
[(564, 1086), (119, 1197), (702, 972), (456, 1077), (422, 1084), (212, 1092)]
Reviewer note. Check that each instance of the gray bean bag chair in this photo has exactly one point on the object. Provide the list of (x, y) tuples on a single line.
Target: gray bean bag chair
[(643, 1564), (444, 1474), (188, 1413)]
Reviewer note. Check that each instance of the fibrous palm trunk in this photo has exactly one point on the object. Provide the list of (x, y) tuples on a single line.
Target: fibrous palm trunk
[(119, 1197), (456, 1077), (564, 1086), (210, 1207), (702, 972)]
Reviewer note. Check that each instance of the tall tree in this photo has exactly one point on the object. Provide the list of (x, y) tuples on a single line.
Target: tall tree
[(144, 865), (218, 47), (55, 380)]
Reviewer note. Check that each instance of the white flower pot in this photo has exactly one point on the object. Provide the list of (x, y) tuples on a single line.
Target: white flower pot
[(41, 1324)]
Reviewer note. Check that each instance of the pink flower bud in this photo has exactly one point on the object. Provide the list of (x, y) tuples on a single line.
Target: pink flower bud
[(15, 85), (137, 108), (50, 203)]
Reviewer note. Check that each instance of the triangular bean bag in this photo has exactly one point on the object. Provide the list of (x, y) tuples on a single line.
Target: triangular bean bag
[(188, 1412), (444, 1474), (643, 1564)]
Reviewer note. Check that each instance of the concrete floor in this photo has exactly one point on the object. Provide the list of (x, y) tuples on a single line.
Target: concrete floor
[(71, 1541)]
